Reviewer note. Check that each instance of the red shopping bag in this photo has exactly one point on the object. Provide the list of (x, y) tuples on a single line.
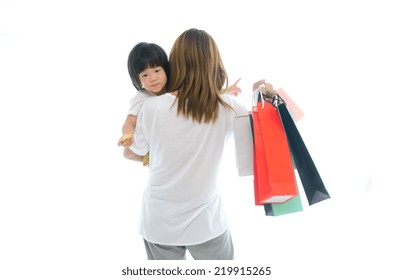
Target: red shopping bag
[(274, 177)]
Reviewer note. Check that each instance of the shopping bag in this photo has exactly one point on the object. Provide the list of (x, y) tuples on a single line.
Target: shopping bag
[(292, 107), (277, 209), (313, 185), (274, 177), (242, 128)]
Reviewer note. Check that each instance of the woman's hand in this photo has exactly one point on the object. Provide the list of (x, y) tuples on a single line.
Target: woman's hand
[(265, 88), (128, 154), (234, 89)]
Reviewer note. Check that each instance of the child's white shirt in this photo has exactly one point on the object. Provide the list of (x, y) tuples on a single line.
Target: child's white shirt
[(137, 101)]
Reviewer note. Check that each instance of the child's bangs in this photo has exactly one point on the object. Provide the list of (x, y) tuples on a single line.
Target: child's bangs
[(151, 61)]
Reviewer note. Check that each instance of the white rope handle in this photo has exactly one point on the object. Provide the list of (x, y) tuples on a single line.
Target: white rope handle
[(256, 95)]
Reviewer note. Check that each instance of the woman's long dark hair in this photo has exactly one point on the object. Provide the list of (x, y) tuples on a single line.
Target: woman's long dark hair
[(198, 75)]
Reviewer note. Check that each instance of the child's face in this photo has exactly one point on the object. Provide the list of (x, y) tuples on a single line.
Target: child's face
[(153, 79)]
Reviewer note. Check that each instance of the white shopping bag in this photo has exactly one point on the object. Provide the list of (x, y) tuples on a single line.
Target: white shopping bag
[(244, 145)]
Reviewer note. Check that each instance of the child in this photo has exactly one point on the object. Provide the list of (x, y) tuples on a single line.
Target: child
[(148, 68)]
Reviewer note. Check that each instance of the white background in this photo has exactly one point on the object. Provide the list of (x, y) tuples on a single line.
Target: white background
[(69, 201)]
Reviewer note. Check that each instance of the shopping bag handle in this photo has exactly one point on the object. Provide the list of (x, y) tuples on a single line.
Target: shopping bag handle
[(258, 96)]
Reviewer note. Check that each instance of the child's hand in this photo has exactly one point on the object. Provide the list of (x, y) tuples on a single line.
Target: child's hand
[(126, 140), (234, 89)]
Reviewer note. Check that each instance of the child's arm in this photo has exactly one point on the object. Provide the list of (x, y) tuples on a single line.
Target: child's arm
[(128, 132)]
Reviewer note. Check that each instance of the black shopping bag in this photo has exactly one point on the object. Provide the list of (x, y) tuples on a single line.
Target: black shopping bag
[(311, 180)]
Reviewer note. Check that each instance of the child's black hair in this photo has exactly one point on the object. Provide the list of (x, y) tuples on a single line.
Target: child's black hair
[(146, 55)]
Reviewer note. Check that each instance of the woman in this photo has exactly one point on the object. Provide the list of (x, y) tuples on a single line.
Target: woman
[(185, 131)]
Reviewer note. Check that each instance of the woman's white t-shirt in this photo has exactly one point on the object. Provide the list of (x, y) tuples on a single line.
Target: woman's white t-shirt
[(181, 203)]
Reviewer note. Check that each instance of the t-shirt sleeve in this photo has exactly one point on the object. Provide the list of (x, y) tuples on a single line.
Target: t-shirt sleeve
[(136, 103), (140, 146), (239, 108)]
